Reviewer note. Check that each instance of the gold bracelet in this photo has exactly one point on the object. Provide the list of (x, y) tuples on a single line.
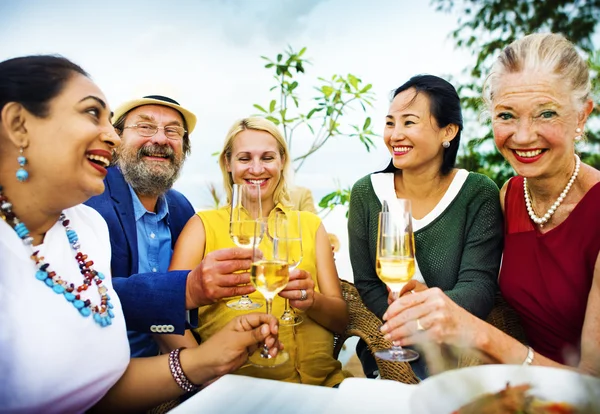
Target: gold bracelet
[(529, 357)]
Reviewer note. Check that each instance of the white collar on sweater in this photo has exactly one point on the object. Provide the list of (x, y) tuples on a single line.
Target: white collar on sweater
[(383, 185)]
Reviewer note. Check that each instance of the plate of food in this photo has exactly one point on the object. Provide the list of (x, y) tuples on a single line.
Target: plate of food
[(507, 389)]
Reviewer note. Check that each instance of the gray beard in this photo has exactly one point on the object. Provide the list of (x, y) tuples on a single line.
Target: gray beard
[(148, 178)]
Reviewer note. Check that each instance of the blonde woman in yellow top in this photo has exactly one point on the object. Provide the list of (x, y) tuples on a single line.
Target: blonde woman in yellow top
[(255, 151)]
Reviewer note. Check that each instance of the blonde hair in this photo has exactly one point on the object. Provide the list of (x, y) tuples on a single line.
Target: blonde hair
[(542, 53), (281, 194)]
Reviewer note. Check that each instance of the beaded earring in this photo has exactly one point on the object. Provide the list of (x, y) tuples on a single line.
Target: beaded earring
[(578, 136), (446, 144), (22, 174)]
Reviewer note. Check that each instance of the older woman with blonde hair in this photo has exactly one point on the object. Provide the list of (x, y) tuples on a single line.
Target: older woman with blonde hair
[(538, 94), (255, 151)]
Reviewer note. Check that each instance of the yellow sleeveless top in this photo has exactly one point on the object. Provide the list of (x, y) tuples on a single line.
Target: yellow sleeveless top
[(309, 344)]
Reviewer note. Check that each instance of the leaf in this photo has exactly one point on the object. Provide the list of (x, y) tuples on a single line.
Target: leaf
[(366, 88), (302, 51), (367, 123), (260, 108), (273, 119), (326, 199), (272, 105), (327, 90), (353, 80), (312, 112), (279, 57)]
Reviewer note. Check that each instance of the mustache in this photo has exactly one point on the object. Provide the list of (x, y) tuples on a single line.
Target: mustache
[(150, 150)]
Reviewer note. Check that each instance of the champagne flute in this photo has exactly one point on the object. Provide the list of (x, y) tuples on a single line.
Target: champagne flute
[(269, 275), (246, 228), (287, 226), (396, 263)]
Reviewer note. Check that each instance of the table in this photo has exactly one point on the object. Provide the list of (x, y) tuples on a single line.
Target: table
[(239, 394)]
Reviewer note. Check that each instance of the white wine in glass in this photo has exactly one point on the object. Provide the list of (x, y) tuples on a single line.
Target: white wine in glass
[(246, 228), (396, 263), (287, 226), (269, 275)]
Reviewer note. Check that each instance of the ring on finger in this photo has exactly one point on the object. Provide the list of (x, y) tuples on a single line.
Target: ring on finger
[(419, 326), (303, 295)]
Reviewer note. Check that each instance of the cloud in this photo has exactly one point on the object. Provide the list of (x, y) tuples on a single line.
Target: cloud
[(276, 20)]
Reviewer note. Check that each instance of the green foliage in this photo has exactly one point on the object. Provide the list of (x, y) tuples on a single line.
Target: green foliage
[(325, 118), (339, 197), (485, 27)]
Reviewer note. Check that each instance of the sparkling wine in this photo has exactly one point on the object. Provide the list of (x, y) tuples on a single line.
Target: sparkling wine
[(269, 277), (246, 233), (294, 250), (395, 271)]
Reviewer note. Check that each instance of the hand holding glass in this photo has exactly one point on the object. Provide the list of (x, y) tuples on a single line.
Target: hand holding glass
[(246, 228), (396, 263), (269, 275)]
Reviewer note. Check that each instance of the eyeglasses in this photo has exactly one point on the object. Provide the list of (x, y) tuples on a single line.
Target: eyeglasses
[(145, 129)]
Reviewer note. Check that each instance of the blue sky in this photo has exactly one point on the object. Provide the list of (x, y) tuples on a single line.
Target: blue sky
[(206, 54)]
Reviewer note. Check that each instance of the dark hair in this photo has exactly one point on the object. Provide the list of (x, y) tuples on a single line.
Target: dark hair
[(33, 81), (444, 105)]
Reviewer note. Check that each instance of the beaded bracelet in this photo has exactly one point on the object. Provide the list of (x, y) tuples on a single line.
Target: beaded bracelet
[(529, 357), (178, 375)]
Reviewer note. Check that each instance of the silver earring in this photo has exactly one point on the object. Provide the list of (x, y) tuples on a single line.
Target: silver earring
[(578, 136), (446, 144)]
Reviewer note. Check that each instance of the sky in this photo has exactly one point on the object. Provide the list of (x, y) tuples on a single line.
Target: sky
[(206, 55)]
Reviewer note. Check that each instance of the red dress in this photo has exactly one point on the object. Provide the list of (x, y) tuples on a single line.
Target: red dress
[(547, 277)]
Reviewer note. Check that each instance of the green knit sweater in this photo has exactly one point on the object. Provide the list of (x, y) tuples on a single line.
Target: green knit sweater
[(459, 251)]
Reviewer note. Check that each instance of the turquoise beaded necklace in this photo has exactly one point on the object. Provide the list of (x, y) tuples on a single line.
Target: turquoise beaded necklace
[(103, 312)]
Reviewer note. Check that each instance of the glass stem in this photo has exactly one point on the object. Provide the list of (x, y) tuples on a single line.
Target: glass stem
[(269, 305), (265, 350), (286, 308), (396, 349)]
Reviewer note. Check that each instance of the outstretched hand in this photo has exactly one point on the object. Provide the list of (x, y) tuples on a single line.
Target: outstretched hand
[(229, 348), (215, 278), (429, 315)]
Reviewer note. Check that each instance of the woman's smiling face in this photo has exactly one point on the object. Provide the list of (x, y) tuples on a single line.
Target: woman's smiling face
[(411, 132), (71, 147), (534, 121), (255, 159)]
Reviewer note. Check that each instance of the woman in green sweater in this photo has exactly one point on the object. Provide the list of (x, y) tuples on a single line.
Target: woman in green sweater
[(457, 219)]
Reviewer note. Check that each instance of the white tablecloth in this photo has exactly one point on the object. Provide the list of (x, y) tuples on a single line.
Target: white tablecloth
[(239, 395)]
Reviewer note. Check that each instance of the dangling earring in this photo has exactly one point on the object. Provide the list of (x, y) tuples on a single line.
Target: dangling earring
[(578, 137), (22, 174), (446, 144)]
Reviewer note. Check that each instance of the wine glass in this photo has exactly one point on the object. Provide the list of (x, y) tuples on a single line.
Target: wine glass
[(246, 228), (270, 275), (287, 226), (396, 263)]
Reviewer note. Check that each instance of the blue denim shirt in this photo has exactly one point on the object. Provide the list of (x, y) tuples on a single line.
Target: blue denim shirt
[(154, 252)]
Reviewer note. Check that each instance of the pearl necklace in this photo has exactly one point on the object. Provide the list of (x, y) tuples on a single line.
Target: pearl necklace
[(546, 217)]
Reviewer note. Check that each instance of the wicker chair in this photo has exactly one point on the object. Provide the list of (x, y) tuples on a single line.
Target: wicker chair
[(364, 324)]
